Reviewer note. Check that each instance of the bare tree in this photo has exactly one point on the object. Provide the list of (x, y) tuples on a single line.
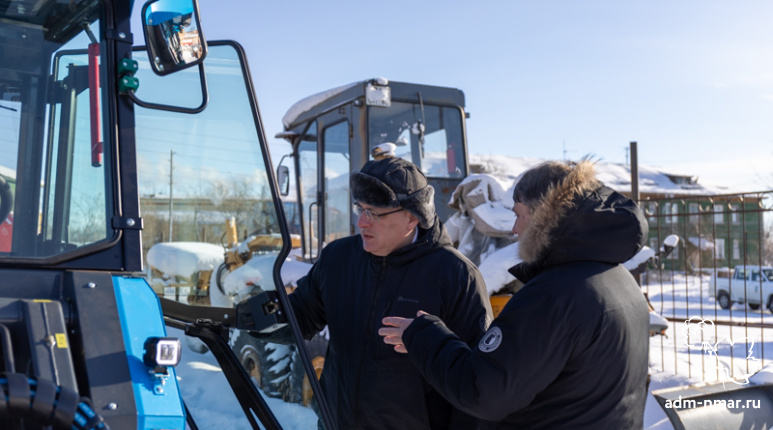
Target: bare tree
[(87, 222)]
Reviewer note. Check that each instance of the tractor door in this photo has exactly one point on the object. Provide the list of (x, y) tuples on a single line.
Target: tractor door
[(213, 239)]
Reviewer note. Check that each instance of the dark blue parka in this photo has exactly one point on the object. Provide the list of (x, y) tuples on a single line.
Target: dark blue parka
[(570, 349), (367, 384)]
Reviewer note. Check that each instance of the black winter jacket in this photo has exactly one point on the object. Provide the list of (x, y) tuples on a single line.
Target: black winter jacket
[(366, 383), (570, 349)]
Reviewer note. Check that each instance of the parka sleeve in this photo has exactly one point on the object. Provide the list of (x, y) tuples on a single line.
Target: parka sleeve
[(307, 301), (525, 349), (308, 308), (470, 314)]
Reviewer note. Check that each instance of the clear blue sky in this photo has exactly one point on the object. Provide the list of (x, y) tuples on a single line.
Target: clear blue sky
[(690, 81)]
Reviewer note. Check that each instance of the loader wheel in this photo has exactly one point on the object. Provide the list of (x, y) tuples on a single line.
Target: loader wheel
[(724, 300), (770, 304), (301, 386), (754, 306), (250, 352), (318, 363)]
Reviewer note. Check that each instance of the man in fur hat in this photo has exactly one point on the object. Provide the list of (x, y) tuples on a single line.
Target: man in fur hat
[(570, 349), (402, 261)]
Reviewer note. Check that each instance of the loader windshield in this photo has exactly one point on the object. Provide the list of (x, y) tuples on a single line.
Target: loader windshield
[(55, 188), (429, 136)]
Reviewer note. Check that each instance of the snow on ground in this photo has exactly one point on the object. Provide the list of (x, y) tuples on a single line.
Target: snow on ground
[(689, 353), (212, 403), (698, 347)]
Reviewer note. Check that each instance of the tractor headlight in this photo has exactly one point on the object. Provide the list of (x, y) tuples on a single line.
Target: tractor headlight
[(162, 351)]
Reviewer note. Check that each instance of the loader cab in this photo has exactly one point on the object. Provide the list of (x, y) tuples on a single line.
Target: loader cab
[(336, 132)]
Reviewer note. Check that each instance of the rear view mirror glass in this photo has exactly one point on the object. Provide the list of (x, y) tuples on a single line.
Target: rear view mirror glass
[(283, 180), (173, 35)]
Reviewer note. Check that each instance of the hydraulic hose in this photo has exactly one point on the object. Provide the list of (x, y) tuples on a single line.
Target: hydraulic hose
[(46, 404)]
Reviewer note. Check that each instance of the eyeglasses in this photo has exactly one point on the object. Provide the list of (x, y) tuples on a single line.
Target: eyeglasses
[(372, 216)]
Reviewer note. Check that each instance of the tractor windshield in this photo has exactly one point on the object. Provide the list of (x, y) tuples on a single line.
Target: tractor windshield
[(55, 188)]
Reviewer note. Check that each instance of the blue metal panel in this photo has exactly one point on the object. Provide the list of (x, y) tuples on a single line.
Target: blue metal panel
[(159, 402)]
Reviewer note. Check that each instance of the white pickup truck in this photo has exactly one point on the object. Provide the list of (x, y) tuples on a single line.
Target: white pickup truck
[(744, 286)]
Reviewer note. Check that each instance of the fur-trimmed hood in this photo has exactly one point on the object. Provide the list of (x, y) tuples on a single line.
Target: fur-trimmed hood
[(580, 219)]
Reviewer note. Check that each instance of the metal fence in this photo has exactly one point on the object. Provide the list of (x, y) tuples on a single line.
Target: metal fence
[(721, 237)]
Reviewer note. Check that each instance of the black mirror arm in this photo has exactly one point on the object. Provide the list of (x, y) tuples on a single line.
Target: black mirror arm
[(178, 109)]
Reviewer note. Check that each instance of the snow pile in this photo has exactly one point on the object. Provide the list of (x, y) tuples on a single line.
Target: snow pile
[(292, 270), (764, 376), (492, 268), (248, 279), (640, 258), (652, 180), (309, 102), (184, 258), (484, 219)]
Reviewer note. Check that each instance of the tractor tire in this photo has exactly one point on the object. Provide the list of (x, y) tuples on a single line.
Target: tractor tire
[(770, 304), (724, 300)]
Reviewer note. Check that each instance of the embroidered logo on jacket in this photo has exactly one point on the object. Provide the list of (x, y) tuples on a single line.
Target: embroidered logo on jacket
[(404, 299), (491, 340)]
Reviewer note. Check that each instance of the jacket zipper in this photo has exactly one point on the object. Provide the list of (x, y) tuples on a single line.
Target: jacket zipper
[(366, 343)]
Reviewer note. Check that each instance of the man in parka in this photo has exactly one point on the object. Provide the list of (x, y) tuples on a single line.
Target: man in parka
[(570, 349), (402, 261)]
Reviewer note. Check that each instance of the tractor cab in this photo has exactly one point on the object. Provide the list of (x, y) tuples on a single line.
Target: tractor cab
[(108, 151)]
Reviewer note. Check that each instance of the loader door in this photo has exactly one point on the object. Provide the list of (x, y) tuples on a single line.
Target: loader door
[(336, 166), (324, 166)]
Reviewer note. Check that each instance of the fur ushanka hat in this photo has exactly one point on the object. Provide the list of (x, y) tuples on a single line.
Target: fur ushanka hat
[(392, 183)]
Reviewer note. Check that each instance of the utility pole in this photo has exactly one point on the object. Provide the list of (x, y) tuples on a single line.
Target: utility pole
[(171, 196), (635, 183)]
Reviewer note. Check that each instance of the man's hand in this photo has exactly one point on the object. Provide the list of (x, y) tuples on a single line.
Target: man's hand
[(393, 331)]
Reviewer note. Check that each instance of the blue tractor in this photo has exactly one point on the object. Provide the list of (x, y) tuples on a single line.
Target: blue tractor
[(107, 148)]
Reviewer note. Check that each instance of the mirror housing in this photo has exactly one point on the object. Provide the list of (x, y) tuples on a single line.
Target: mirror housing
[(173, 35), (283, 180)]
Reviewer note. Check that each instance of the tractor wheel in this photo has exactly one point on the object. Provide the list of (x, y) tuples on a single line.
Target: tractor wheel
[(724, 300), (770, 304)]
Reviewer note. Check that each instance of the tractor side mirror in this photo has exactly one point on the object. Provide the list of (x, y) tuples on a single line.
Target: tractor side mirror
[(173, 35), (283, 180)]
